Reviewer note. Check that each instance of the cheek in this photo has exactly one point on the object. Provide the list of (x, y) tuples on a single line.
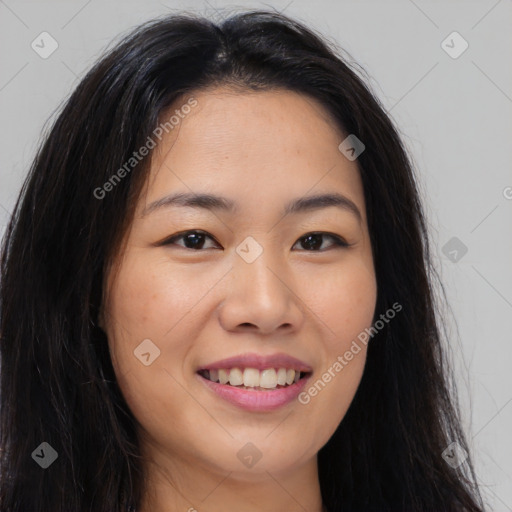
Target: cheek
[(346, 304), (140, 294), (143, 306), (150, 297), (154, 300), (139, 308), (344, 299)]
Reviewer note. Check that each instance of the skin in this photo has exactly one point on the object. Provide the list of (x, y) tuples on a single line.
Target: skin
[(261, 149)]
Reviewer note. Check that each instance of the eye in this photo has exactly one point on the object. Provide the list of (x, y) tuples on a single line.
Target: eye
[(193, 239), (314, 241)]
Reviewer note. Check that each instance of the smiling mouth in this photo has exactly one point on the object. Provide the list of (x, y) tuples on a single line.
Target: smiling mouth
[(253, 379)]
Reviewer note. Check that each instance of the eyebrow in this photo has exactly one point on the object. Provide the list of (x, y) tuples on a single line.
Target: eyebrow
[(214, 202)]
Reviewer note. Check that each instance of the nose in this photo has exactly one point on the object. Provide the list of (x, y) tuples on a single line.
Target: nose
[(261, 297)]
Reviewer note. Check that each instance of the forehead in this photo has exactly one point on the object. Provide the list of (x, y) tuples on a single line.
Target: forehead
[(264, 145), (283, 119)]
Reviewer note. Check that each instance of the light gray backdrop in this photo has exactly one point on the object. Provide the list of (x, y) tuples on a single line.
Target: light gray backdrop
[(453, 105)]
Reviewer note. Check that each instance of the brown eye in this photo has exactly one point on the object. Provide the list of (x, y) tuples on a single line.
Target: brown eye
[(313, 241), (193, 239)]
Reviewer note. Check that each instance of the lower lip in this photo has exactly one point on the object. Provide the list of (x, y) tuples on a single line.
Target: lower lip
[(256, 401)]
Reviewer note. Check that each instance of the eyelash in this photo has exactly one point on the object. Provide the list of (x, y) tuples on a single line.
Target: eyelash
[(338, 241)]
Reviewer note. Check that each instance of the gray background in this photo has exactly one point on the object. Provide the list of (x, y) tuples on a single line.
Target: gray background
[(455, 117)]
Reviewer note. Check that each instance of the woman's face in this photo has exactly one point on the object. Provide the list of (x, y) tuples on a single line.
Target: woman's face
[(255, 285)]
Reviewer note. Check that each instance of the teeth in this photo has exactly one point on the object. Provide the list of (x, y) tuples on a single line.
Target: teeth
[(236, 377), (281, 376), (223, 376), (252, 378), (268, 379)]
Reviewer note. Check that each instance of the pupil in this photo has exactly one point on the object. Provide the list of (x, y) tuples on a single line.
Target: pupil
[(314, 245), (196, 243)]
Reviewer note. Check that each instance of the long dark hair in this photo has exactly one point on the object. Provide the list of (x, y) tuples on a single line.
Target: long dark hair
[(57, 381)]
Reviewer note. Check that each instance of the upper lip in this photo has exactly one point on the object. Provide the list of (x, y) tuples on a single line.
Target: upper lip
[(259, 362)]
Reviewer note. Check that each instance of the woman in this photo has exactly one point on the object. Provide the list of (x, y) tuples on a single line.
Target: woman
[(217, 291)]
